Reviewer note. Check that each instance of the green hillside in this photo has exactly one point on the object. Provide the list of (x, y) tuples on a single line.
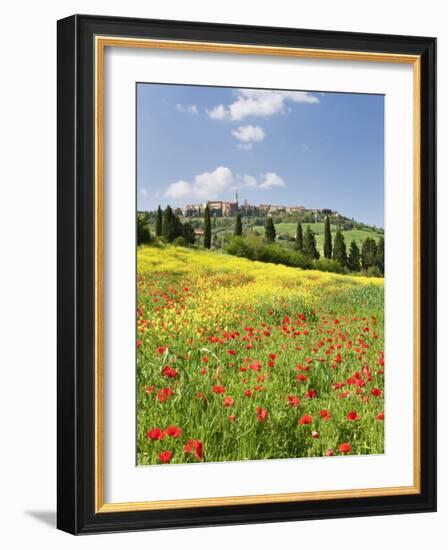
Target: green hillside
[(357, 235)]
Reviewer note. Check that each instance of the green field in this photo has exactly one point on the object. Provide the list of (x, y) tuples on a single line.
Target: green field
[(242, 360), (357, 235)]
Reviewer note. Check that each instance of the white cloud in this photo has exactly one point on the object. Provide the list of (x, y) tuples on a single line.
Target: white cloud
[(216, 184), (271, 180), (247, 135), (217, 113), (191, 109), (259, 103)]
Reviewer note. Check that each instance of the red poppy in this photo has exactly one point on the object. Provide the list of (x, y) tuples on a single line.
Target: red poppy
[(376, 392), (262, 414), (330, 452), (218, 389), (352, 415), (173, 431), (228, 401), (345, 448), (248, 393), (155, 434), (231, 352), (293, 400), (311, 394), (306, 419), (169, 372), (165, 457), (315, 435), (161, 350), (204, 359), (256, 365), (232, 418), (194, 445), (325, 414), (272, 356), (163, 394), (380, 416), (301, 377)]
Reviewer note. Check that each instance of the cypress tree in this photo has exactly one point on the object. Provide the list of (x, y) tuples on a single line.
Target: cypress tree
[(238, 226), (299, 238), (354, 257), (269, 231), (159, 222), (309, 244), (327, 239), (168, 224), (339, 249), (188, 233), (207, 228), (380, 255), (368, 253)]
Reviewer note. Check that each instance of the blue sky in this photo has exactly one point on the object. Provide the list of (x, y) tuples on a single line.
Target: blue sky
[(319, 150)]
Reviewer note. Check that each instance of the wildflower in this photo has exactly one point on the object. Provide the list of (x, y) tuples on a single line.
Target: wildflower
[(155, 434), (169, 372), (345, 448), (173, 431), (165, 457), (293, 400), (218, 389), (228, 401), (194, 445), (262, 414), (352, 415), (306, 419)]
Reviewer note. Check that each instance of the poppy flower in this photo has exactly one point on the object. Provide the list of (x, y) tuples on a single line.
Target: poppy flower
[(306, 419), (256, 365), (155, 434), (173, 431), (194, 445), (311, 394), (329, 452), (163, 394), (231, 352), (345, 448), (315, 435), (169, 372), (376, 392), (301, 377), (232, 418), (262, 414), (272, 356), (228, 401), (293, 400), (218, 389), (165, 457), (352, 415), (325, 414), (248, 393), (161, 350), (380, 416)]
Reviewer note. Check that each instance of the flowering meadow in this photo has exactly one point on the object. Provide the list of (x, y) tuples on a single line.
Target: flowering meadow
[(241, 360)]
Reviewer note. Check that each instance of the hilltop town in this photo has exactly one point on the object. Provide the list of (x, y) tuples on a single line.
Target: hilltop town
[(227, 209)]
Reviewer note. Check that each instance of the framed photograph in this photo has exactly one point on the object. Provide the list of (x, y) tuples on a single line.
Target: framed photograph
[(246, 274)]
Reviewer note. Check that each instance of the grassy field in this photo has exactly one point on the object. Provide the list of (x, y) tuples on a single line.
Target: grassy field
[(243, 360), (357, 235)]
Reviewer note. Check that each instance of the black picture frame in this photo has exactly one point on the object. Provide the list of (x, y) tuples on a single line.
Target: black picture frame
[(76, 255)]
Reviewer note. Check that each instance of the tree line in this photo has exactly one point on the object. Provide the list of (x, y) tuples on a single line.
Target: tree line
[(369, 258), (168, 228)]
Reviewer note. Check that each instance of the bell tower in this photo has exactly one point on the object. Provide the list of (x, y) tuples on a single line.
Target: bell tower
[(236, 198)]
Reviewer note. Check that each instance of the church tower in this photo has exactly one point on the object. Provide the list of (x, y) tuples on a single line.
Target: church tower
[(236, 198)]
